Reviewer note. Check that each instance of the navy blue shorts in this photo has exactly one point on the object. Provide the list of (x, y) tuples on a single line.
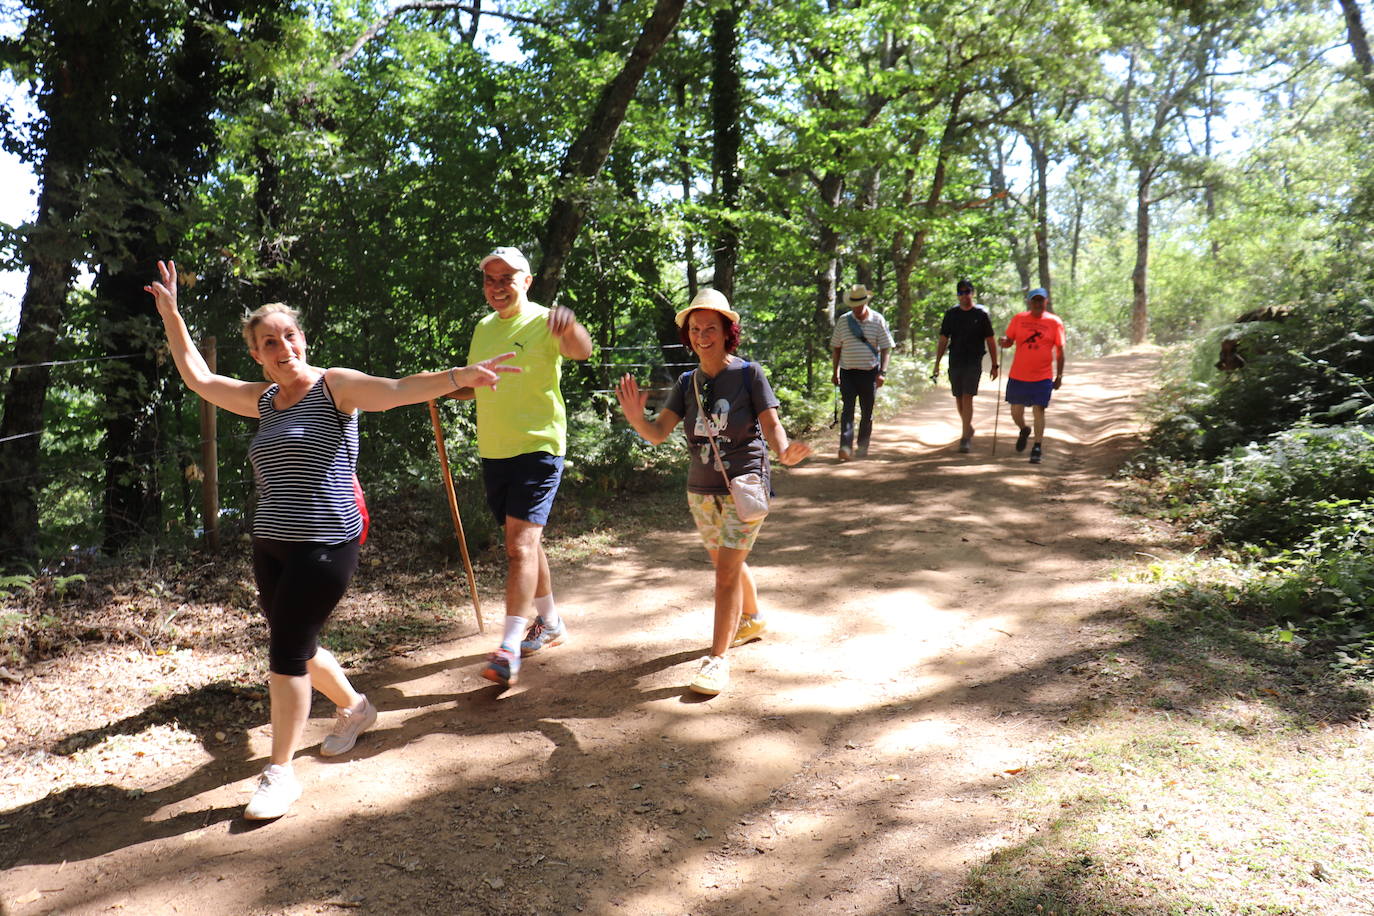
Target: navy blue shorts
[(963, 380), (522, 487), (1030, 394)]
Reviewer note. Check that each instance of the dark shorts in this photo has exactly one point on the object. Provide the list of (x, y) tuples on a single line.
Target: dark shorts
[(299, 583), (522, 487), (1030, 394), (963, 380)]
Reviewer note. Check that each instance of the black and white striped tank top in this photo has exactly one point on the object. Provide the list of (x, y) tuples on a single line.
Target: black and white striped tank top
[(303, 462)]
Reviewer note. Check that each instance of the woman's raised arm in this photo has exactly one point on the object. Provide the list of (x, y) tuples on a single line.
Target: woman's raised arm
[(234, 395), (632, 404)]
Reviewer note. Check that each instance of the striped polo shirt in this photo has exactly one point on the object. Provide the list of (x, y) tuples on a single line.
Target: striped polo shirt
[(854, 354), (303, 462)]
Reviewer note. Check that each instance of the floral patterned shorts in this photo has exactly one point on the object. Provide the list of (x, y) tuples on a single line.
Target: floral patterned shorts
[(719, 524)]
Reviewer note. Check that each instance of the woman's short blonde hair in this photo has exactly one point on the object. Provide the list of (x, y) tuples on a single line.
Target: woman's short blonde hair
[(252, 319)]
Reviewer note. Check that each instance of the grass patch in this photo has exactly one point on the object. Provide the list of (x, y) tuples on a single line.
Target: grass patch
[(1215, 772)]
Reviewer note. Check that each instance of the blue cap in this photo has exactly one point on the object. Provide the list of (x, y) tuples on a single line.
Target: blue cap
[(1038, 291)]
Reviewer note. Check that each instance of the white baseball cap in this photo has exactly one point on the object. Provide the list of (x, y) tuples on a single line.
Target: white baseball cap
[(511, 256)]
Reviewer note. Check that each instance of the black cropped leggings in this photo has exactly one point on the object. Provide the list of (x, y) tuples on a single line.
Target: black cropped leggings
[(299, 584)]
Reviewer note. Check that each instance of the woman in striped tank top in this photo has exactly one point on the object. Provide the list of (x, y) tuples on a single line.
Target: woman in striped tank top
[(306, 528)]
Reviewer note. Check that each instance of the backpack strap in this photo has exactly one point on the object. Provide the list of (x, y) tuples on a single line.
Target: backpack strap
[(857, 330)]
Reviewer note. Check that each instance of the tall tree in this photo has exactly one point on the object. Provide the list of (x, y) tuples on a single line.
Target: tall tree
[(592, 145), (727, 131), (1166, 75), (125, 91)]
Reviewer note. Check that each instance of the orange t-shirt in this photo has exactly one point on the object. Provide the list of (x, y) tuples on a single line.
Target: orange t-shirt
[(1035, 339)]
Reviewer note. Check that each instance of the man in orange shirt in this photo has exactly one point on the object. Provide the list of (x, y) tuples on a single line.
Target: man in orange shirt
[(1037, 369)]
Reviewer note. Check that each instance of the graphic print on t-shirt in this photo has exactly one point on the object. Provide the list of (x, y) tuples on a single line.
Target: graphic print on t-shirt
[(720, 413)]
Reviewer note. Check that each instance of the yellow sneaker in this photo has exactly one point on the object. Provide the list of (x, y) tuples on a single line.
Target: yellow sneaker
[(749, 628), (713, 677)]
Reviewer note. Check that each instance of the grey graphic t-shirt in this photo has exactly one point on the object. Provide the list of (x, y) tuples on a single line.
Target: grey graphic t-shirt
[(733, 401)]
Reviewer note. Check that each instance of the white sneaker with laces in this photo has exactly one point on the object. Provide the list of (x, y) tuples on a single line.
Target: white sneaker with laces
[(277, 789), (348, 725), (713, 677)]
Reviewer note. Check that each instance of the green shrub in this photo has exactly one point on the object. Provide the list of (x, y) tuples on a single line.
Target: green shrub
[(1273, 494), (1318, 366)]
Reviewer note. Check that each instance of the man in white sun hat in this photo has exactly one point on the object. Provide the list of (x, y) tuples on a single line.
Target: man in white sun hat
[(860, 346), (522, 435)]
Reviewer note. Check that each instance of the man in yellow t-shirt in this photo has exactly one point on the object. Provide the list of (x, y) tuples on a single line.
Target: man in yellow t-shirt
[(1037, 369), (522, 435)]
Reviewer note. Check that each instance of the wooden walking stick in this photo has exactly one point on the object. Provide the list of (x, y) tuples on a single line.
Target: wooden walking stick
[(453, 511)]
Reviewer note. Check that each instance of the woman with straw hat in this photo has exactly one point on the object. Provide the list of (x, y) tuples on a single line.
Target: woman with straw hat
[(731, 420)]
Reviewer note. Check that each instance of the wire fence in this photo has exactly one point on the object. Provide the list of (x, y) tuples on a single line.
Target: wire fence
[(75, 467)]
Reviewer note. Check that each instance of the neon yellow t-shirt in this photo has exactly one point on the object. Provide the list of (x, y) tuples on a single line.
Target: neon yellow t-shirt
[(525, 412)]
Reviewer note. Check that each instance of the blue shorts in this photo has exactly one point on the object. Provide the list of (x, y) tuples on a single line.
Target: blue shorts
[(1030, 394), (963, 380), (522, 487)]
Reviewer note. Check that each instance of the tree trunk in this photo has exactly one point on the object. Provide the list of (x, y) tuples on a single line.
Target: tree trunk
[(1140, 300), (1042, 213), (589, 150), (132, 496), (1076, 239), (828, 243), (827, 275), (725, 120), (865, 262), (50, 253), (948, 138), (1020, 252), (684, 164), (1359, 42)]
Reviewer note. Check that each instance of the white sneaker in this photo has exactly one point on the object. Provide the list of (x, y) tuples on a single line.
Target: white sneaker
[(277, 789), (713, 677), (348, 725)]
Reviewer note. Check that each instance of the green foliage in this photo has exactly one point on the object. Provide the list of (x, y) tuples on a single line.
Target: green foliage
[(10, 584), (605, 454), (1316, 366), (1322, 589), (1273, 494)]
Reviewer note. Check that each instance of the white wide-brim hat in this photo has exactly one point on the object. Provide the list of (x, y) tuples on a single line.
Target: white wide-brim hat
[(857, 293), (711, 299)]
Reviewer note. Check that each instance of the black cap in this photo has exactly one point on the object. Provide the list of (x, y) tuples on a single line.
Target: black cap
[(963, 286)]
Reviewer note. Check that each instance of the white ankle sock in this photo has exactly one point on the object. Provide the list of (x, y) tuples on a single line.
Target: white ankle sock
[(545, 608), (515, 631)]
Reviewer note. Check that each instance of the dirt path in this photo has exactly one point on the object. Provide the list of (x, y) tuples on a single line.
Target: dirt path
[(923, 606)]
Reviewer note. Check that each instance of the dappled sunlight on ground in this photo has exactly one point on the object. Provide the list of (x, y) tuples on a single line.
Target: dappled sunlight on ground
[(923, 609)]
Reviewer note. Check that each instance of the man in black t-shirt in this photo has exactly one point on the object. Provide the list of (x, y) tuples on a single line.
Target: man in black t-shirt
[(966, 332)]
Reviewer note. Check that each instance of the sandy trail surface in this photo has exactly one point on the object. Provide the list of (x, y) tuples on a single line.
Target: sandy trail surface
[(923, 608)]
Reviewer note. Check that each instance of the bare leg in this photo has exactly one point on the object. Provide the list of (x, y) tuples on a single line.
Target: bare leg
[(527, 574), (1039, 433), (545, 584), (1018, 415), (750, 595), (730, 577), (965, 404), (327, 676), (290, 696)]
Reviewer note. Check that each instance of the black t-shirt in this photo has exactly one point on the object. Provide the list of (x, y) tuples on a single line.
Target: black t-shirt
[(735, 409), (967, 330)]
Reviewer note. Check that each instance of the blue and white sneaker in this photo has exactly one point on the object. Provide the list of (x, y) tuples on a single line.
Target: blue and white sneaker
[(540, 636), (503, 667)]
